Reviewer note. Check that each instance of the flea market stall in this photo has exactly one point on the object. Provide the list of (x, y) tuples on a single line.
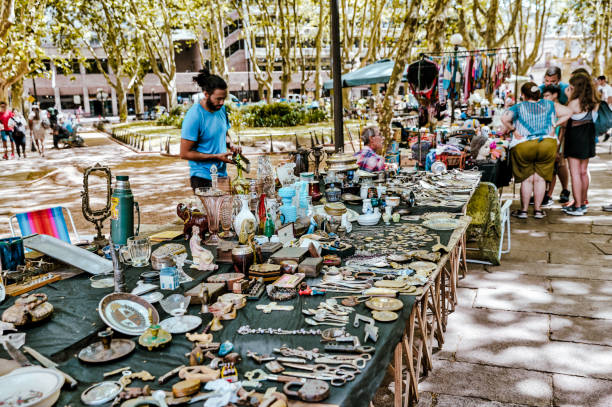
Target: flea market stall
[(313, 289)]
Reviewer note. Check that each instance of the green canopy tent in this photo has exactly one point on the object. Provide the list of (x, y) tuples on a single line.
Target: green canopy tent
[(377, 72)]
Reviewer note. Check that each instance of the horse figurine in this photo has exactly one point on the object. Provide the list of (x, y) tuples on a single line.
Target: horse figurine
[(191, 218)]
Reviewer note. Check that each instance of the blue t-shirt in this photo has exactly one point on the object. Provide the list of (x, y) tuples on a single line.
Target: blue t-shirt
[(209, 131), (562, 95)]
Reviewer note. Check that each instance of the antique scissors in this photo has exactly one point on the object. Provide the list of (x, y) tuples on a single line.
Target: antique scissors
[(359, 361), (336, 375)]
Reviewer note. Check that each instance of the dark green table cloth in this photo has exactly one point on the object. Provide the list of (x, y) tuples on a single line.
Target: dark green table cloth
[(75, 324)]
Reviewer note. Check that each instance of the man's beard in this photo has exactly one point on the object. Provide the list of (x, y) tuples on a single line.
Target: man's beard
[(212, 107)]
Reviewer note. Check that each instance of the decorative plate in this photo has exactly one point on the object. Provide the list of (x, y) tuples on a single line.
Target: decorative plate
[(399, 258), (30, 386), (438, 215), (443, 223), (384, 316), (389, 283), (95, 353), (101, 393), (423, 266), (153, 297), (127, 313), (384, 304), (182, 324)]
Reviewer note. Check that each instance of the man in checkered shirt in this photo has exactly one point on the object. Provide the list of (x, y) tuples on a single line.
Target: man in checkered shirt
[(367, 159)]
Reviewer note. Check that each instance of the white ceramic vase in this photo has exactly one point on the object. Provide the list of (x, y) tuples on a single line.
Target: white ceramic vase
[(244, 213)]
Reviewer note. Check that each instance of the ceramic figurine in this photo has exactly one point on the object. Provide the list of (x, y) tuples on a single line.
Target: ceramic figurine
[(191, 218), (203, 259)]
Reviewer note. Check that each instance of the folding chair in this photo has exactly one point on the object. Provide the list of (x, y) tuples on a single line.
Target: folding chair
[(49, 221), (482, 218)]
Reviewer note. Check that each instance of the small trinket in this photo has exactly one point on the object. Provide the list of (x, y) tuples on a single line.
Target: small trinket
[(154, 337), (233, 358), (186, 388), (229, 372), (274, 367), (201, 373), (268, 308), (168, 278), (259, 358), (28, 308), (225, 348)]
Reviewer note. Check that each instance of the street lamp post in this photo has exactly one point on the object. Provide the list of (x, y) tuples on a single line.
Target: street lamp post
[(337, 76), (242, 91)]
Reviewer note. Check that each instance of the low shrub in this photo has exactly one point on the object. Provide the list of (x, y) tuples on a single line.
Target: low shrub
[(280, 114)]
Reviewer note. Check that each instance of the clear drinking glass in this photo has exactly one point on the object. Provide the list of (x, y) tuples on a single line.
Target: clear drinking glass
[(139, 251)]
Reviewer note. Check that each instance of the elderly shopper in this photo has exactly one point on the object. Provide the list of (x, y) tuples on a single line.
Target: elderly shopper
[(367, 158), (533, 147)]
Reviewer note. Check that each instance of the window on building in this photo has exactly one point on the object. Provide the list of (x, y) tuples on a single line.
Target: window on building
[(92, 67), (70, 68), (238, 45)]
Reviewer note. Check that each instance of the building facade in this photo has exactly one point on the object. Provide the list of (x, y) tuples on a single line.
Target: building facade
[(85, 87)]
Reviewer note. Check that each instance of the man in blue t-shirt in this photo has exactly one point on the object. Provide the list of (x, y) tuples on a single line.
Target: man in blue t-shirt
[(204, 140), (552, 76)]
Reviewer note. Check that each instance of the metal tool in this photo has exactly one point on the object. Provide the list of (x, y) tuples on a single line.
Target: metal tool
[(359, 362), (346, 371), (299, 352), (168, 375), (116, 371), (259, 375), (72, 383), (334, 380), (349, 348), (259, 358)]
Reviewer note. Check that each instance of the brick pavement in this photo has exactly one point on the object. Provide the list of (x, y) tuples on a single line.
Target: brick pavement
[(537, 330)]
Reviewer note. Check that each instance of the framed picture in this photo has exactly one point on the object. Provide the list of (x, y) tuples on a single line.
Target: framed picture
[(285, 233)]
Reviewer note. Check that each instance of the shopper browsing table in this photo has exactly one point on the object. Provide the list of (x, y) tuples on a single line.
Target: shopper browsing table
[(533, 146), (580, 138), (204, 140), (367, 158)]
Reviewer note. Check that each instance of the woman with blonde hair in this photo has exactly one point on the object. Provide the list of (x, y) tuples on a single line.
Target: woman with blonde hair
[(580, 138)]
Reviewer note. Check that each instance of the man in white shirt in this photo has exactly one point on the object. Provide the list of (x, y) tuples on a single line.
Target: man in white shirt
[(604, 89)]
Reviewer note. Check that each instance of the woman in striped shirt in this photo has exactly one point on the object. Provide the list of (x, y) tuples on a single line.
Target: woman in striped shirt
[(533, 147)]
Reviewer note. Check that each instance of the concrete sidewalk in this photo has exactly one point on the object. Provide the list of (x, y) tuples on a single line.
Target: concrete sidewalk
[(537, 330)]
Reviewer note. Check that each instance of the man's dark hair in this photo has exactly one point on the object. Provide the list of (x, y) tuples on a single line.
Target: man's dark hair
[(552, 71), (209, 82), (552, 89), (601, 78)]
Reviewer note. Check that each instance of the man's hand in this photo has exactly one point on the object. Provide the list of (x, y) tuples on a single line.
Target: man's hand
[(225, 157), (235, 149)]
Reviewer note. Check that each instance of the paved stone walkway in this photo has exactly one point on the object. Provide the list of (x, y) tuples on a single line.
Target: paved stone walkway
[(537, 330)]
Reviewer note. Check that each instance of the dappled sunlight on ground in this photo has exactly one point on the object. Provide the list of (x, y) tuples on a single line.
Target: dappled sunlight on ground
[(158, 183)]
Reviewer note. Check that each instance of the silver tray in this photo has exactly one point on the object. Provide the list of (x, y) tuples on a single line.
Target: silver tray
[(69, 254)]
